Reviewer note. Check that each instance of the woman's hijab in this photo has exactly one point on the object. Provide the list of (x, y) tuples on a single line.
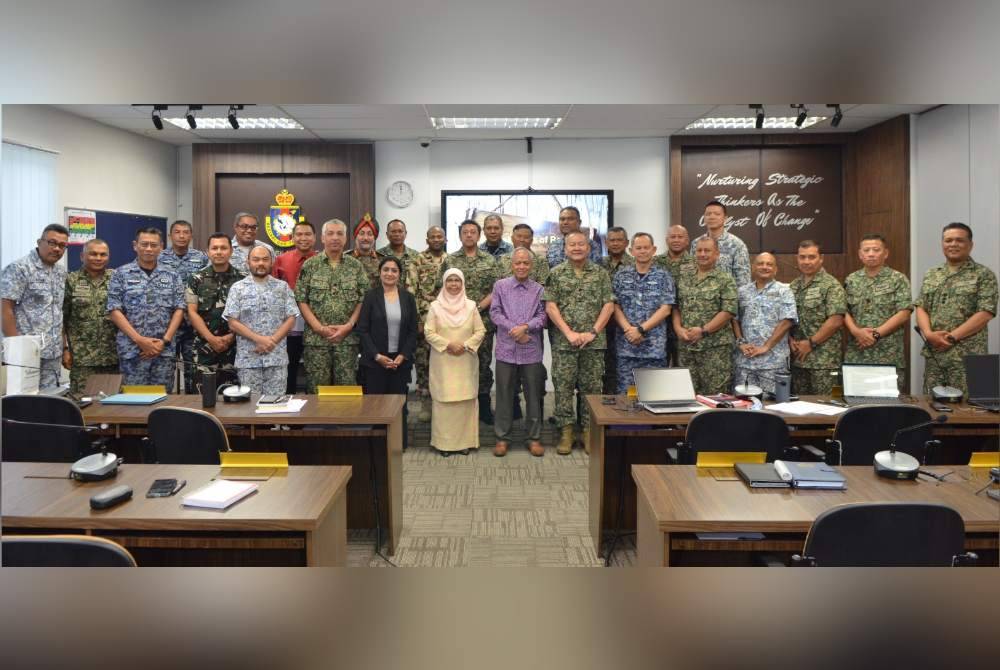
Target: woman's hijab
[(453, 310)]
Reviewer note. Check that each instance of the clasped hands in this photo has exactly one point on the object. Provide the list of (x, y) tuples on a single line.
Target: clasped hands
[(389, 363), (752, 350), (633, 335), (150, 347), (800, 349), (520, 334), (864, 337), (264, 344), (938, 340), (336, 334), (691, 335), (579, 340)]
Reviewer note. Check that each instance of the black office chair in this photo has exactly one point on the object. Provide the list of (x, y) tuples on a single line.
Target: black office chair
[(30, 441), (861, 432), (738, 430), (886, 535), (185, 436), (63, 551)]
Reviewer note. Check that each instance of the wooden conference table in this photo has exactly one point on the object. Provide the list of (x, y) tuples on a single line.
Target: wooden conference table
[(298, 517), (677, 501), (619, 432), (355, 431)]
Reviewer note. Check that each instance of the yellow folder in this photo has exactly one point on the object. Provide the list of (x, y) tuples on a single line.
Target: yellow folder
[(985, 459), (144, 388), (332, 392), (727, 459)]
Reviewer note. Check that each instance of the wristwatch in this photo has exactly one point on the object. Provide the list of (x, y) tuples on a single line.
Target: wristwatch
[(642, 331), (812, 345), (951, 339), (593, 332), (877, 335)]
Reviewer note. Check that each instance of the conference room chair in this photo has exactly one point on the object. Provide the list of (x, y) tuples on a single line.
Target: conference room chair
[(886, 535), (738, 430), (63, 551), (861, 432), (184, 437), (33, 429)]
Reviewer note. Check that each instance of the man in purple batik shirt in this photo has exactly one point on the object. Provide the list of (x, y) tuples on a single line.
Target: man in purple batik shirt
[(519, 314)]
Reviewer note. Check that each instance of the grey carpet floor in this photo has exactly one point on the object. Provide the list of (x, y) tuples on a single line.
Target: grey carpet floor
[(480, 510)]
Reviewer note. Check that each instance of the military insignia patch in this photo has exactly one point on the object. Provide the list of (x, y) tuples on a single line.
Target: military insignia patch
[(281, 219)]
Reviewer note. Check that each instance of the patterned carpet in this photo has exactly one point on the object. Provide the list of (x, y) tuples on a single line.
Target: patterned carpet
[(480, 510)]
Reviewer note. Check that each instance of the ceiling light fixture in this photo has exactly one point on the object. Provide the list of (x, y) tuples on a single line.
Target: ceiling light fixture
[(759, 123), (233, 121), (246, 123), (157, 117), (748, 122), (192, 123), (803, 115), (495, 123), (838, 115)]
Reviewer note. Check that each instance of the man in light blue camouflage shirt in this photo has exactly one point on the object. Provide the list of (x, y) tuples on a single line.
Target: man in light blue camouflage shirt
[(767, 313)]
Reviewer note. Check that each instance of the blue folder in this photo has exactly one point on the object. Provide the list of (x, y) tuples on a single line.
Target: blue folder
[(133, 399)]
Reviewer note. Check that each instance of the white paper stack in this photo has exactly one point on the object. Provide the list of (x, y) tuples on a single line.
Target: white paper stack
[(293, 406), (220, 494), (801, 408)]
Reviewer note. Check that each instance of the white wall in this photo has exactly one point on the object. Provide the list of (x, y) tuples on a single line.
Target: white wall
[(99, 167), (955, 176), (406, 161)]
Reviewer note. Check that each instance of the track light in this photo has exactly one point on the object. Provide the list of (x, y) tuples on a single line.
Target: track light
[(192, 123), (838, 115), (157, 121), (233, 121), (803, 114), (759, 123)]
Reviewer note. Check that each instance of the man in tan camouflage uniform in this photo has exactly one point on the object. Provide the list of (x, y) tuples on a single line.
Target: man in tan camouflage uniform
[(676, 261), (579, 303), (206, 294), (364, 248), (480, 270), (815, 340), (90, 335), (423, 278), (879, 304), (706, 302), (329, 291), (957, 300)]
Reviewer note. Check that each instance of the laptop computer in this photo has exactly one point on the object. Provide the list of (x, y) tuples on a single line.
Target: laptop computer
[(982, 378), (665, 390), (870, 384)]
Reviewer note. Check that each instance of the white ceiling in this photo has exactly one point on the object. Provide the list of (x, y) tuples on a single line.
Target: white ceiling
[(363, 123)]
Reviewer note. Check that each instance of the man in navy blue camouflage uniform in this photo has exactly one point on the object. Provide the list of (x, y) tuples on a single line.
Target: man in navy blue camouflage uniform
[(185, 261)]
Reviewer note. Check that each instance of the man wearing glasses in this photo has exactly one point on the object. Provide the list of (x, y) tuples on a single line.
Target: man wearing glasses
[(32, 290), (244, 240)]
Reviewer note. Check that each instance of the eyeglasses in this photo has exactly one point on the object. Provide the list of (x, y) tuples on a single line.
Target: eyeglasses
[(54, 245), (247, 226)]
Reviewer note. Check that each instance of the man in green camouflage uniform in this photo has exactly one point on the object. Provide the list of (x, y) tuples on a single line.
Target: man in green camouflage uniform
[(957, 300), (395, 230), (617, 258), (706, 302), (523, 236), (89, 333), (879, 304), (480, 270), (205, 294), (815, 340), (364, 248), (329, 291), (423, 279), (579, 304), (676, 261)]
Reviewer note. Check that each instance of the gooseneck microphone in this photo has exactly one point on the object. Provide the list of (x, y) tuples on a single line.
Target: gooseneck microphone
[(897, 465)]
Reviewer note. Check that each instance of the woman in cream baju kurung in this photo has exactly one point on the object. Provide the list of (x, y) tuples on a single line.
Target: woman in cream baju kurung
[(454, 331)]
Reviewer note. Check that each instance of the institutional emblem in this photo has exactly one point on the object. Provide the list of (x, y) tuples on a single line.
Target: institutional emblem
[(281, 219)]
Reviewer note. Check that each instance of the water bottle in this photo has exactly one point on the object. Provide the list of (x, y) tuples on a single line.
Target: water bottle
[(782, 387), (208, 391)]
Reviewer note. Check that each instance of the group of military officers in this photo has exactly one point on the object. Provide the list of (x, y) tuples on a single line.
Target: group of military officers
[(243, 311)]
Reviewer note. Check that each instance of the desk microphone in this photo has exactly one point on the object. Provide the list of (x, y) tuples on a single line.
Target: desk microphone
[(897, 465)]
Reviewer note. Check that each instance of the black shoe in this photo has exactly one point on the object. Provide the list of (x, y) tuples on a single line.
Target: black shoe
[(485, 413)]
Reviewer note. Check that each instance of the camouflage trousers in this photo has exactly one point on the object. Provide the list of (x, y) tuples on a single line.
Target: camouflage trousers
[(813, 381), (422, 363), (337, 364), (485, 354), (625, 366), (711, 369), (270, 380), (575, 369), (609, 382), (79, 374), (944, 370), (148, 371)]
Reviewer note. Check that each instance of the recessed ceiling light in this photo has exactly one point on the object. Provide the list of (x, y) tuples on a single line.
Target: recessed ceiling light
[(494, 123), (222, 122), (749, 122)]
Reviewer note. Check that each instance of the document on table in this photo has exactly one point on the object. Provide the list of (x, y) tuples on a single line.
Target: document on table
[(801, 408), (293, 406)]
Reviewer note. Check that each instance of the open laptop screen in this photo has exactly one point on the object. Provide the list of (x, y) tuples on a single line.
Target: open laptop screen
[(870, 381), (663, 384), (982, 375)]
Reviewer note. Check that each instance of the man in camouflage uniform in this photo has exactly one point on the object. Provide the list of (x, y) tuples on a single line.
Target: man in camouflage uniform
[(734, 259), (494, 244), (569, 221), (957, 300), (676, 261), (90, 335), (644, 295), (878, 310), (815, 340), (244, 239), (32, 289), (364, 248), (522, 237), (185, 261), (767, 313), (423, 278), (480, 270), (146, 303), (261, 310), (329, 291), (706, 302), (579, 303), (206, 294), (395, 230), (617, 259)]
